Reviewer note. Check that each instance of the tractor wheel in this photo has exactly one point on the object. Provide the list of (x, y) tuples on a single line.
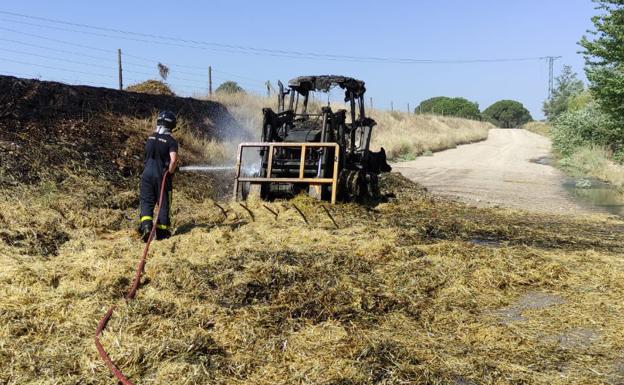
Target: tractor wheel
[(351, 185), (372, 186), (358, 186)]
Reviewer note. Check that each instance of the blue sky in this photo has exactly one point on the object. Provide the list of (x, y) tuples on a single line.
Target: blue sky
[(440, 30)]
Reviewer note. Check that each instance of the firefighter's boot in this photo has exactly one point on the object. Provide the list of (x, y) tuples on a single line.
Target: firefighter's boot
[(145, 229)]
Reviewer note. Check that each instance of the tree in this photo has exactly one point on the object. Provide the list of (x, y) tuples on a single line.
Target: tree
[(443, 105), (507, 114), (604, 57), (567, 86), (163, 70), (229, 87), (580, 101)]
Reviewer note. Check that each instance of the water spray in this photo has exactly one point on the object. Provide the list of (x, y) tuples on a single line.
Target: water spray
[(206, 168), (248, 170)]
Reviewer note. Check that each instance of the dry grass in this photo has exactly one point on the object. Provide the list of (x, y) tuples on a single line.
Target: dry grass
[(407, 136), (541, 128), (595, 162), (398, 293), (415, 290), (588, 161), (206, 151), (154, 87), (246, 109), (402, 135)]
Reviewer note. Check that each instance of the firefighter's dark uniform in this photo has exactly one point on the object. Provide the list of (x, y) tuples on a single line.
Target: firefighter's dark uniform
[(157, 149)]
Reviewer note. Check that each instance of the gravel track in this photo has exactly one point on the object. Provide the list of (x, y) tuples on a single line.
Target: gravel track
[(500, 171)]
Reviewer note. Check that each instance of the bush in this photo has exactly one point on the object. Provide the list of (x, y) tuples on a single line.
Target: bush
[(153, 87), (229, 87), (580, 101), (584, 127), (507, 114), (446, 106)]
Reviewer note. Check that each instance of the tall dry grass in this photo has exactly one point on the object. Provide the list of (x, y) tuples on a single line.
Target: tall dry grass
[(246, 109), (403, 136), (585, 161), (595, 162), (541, 128)]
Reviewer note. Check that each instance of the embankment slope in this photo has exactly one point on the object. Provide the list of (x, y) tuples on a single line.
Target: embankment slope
[(50, 129)]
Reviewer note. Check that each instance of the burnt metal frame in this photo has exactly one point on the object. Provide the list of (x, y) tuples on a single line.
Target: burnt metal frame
[(354, 95), (301, 179)]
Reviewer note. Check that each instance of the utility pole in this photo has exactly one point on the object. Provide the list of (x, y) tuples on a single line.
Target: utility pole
[(210, 80), (551, 61), (268, 86), (119, 68), (371, 101), (408, 110), (391, 106)]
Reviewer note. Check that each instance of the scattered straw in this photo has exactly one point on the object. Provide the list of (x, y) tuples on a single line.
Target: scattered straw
[(401, 293)]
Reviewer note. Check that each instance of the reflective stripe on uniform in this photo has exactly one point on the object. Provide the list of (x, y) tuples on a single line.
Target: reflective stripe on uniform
[(162, 227), (146, 218)]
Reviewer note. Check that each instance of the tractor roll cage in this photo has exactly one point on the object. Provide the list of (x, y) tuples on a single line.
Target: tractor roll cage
[(354, 96)]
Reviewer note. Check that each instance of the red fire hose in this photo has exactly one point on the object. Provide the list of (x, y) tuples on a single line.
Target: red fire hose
[(130, 296)]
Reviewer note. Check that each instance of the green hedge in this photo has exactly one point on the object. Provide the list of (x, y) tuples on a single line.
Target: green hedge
[(587, 126)]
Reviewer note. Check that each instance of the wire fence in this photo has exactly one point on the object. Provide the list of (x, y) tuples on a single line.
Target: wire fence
[(32, 44), (40, 57)]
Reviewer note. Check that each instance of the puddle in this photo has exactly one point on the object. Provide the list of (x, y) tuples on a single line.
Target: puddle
[(528, 301), (459, 380), (545, 160), (489, 242), (578, 338), (596, 194)]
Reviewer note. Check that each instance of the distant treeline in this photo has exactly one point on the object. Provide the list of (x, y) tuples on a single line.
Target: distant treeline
[(504, 113)]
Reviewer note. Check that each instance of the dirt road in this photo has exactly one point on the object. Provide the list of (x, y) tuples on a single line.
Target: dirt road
[(500, 171)]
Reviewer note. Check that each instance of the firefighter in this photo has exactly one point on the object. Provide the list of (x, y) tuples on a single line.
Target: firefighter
[(161, 154)]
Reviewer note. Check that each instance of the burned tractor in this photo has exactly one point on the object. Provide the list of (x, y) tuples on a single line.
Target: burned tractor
[(323, 153)]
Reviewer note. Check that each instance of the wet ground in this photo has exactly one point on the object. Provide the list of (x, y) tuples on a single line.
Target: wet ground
[(590, 192), (597, 194)]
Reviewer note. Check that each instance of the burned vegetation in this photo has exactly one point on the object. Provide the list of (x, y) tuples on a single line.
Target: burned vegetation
[(407, 289)]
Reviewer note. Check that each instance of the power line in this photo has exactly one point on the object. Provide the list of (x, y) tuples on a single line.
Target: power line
[(56, 40), (54, 79), (126, 63), (53, 68), (198, 44), (54, 58), (90, 64), (177, 85), (107, 51), (160, 37), (139, 40), (56, 49)]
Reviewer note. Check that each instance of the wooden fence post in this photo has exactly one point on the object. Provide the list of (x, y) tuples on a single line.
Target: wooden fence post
[(119, 68)]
